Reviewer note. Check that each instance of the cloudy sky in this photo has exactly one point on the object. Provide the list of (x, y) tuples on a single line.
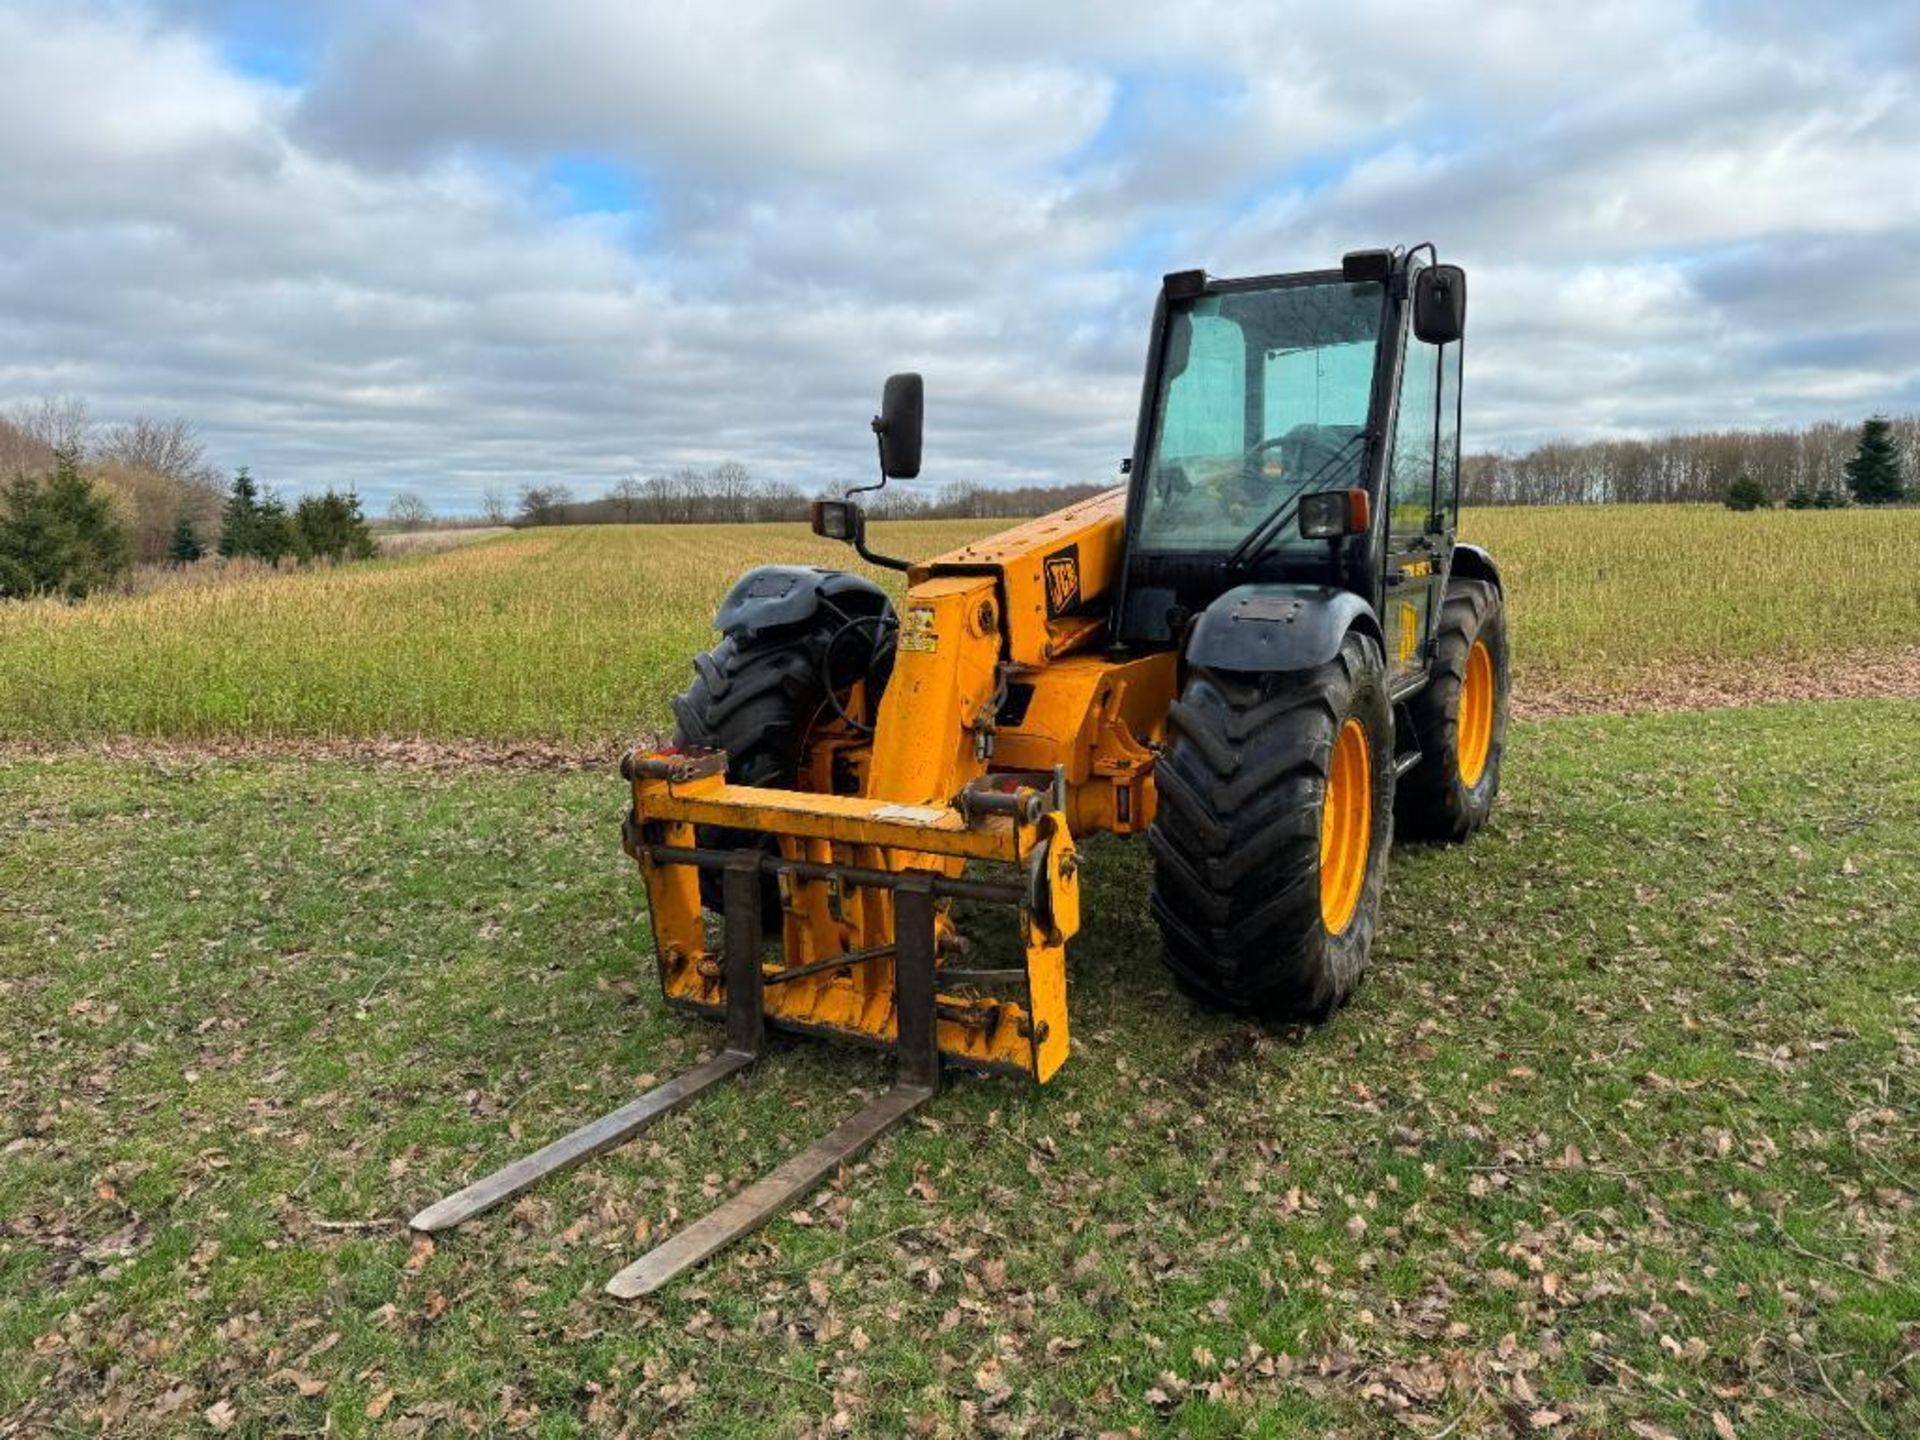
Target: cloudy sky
[(441, 246)]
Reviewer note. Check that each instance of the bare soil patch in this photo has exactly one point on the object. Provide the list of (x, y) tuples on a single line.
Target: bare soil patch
[(1880, 675)]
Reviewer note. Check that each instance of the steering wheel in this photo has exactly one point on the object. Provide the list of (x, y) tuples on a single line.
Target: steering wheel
[(1250, 461)]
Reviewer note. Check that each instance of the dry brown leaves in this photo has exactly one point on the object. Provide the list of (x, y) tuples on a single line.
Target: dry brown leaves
[(1875, 675)]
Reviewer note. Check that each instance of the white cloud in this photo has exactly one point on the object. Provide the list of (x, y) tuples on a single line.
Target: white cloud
[(1673, 217)]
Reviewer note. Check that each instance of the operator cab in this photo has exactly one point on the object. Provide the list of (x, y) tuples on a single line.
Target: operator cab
[(1299, 429)]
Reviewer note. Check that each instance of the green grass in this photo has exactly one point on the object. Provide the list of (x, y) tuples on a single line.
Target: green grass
[(582, 635), (1628, 1110)]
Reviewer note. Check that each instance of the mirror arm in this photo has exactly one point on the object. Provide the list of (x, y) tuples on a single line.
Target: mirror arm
[(885, 562), (879, 449)]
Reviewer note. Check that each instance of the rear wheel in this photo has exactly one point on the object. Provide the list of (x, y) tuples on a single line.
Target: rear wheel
[(1271, 837), (760, 699), (1459, 719)]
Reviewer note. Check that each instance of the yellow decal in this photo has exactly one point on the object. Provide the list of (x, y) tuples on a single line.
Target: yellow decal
[(916, 630), (1416, 569), (1408, 639), (1063, 580)]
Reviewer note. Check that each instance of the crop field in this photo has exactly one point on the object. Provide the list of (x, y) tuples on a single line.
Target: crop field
[(580, 636)]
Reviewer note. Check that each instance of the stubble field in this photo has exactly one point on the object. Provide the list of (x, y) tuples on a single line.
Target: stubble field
[(580, 636)]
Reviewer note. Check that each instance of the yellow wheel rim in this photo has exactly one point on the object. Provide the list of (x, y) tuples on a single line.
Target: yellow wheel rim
[(1346, 827), (1476, 715)]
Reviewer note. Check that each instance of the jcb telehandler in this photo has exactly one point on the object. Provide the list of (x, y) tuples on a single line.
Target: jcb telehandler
[(1264, 653)]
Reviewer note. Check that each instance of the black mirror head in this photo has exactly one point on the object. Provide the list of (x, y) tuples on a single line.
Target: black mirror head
[(1358, 266), (902, 413), (1440, 304), (840, 520)]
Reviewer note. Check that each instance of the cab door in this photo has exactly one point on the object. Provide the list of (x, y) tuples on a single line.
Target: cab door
[(1410, 593)]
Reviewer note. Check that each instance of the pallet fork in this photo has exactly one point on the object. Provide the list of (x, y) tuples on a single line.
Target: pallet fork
[(916, 1081)]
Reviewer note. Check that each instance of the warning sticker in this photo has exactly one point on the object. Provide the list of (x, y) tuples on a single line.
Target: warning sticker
[(916, 630)]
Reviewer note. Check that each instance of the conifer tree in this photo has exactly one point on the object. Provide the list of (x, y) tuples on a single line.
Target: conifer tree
[(185, 547), (59, 536), (273, 534), (1874, 472), (240, 520)]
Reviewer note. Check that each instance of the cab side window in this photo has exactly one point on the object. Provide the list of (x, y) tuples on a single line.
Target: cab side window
[(1447, 482), (1410, 490)]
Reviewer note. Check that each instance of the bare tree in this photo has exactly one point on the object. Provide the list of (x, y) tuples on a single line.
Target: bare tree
[(409, 511), (59, 424), (493, 505), (627, 493), (20, 452), (166, 447)]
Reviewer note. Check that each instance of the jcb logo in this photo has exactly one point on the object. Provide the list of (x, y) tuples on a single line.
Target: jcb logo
[(1407, 638), (1063, 580)]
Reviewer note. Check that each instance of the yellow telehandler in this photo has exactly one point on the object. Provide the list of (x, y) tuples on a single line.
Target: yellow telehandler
[(1263, 653)]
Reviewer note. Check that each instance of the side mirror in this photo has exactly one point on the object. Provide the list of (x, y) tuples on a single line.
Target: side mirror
[(840, 520), (1440, 304), (1332, 514), (902, 410)]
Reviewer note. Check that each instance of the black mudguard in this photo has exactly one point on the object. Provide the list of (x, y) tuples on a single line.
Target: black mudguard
[(1470, 562), (772, 597), (1262, 629)]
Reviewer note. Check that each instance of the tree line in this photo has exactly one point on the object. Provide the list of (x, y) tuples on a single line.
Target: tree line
[(1806, 466), (152, 473), (84, 504), (728, 493)]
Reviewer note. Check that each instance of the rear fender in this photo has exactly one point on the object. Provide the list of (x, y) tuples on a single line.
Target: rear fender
[(1470, 562), (1262, 629), (772, 597)]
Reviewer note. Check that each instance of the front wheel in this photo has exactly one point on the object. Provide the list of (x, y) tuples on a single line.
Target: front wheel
[(761, 699), (1271, 837)]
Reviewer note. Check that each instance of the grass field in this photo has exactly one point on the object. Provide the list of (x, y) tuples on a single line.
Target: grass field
[(1620, 1138), (581, 635)]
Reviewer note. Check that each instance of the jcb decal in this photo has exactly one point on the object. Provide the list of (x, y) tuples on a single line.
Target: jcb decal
[(1063, 581), (1416, 569), (916, 630), (1407, 638)]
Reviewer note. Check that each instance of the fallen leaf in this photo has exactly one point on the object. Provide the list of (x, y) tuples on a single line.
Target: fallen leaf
[(221, 1415), (922, 1186), (377, 1406)]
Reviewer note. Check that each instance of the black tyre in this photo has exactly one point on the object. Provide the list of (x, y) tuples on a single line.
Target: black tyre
[(1459, 719), (1271, 837), (759, 698)]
